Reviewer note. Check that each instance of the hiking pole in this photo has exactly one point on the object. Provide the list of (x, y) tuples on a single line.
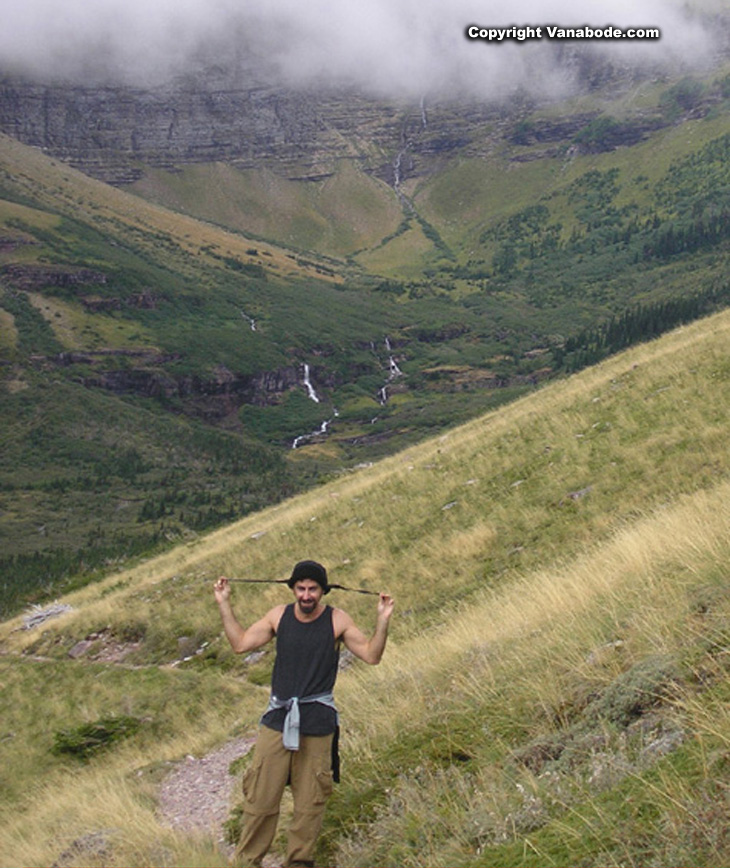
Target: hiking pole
[(286, 582)]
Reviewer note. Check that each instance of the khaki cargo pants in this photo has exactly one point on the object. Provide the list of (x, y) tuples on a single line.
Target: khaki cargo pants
[(308, 771)]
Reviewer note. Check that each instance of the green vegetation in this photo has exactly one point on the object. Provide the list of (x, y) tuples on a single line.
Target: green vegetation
[(89, 482), (555, 691), (88, 739), (634, 326)]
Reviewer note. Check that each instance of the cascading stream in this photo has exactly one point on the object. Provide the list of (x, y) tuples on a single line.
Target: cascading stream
[(393, 373), (400, 156), (250, 320), (313, 396)]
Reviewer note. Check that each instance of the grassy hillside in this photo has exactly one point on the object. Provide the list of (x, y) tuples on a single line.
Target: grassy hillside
[(343, 212), (117, 320), (520, 230), (555, 691)]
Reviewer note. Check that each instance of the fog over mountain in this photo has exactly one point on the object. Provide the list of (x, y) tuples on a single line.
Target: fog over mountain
[(406, 47)]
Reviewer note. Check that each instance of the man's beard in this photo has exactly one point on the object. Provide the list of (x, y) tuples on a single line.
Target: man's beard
[(307, 607)]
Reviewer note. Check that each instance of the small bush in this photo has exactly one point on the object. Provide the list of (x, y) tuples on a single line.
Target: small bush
[(636, 691), (86, 740)]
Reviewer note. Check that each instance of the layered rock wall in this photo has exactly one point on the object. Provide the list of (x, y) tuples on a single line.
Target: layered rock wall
[(105, 130)]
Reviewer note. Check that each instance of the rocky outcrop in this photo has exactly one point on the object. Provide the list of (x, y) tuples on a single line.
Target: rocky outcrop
[(216, 395), (145, 300), (31, 277), (267, 387), (145, 372)]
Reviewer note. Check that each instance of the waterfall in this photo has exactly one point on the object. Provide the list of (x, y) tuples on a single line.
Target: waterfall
[(397, 177), (250, 320), (406, 145), (308, 383), (393, 372), (325, 426), (396, 168)]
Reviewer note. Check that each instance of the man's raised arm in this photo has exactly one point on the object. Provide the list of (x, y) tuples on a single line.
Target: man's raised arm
[(243, 640), (370, 650)]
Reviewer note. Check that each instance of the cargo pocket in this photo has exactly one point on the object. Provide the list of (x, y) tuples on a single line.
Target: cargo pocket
[(324, 787)]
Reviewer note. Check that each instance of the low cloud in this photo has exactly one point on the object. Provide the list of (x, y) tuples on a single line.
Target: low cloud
[(394, 47)]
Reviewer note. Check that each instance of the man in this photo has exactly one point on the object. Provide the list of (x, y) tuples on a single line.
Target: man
[(296, 742)]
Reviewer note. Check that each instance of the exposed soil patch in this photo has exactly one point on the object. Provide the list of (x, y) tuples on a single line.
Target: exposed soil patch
[(196, 796)]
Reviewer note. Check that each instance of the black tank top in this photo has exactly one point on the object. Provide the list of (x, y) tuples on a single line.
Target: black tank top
[(306, 664)]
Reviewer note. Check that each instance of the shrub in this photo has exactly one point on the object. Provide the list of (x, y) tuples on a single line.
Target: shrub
[(636, 691), (86, 740)]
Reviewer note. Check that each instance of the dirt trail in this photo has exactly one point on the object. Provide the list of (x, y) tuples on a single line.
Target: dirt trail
[(196, 796)]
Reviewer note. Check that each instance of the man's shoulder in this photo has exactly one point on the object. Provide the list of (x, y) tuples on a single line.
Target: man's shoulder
[(273, 616), (340, 620)]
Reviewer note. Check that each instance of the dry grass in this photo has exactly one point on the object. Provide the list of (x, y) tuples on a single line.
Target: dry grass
[(530, 646)]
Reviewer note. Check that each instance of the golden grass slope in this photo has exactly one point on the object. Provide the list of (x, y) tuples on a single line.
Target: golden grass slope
[(65, 190), (507, 687), (537, 556)]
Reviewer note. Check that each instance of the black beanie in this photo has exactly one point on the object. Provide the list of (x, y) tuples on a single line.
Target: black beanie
[(310, 570)]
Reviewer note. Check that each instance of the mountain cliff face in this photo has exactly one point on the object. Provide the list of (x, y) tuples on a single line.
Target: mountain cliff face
[(104, 130), (228, 115), (232, 105), (213, 116)]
